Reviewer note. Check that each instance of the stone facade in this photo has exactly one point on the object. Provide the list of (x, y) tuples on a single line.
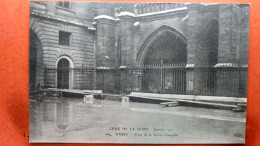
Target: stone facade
[(47, 19), (108, 36)]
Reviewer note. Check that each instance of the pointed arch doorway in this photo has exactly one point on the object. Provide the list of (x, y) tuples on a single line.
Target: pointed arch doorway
[(164, 57)]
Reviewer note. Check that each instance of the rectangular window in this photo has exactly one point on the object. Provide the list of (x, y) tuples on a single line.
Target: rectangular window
[(64, 38), (64, 4)]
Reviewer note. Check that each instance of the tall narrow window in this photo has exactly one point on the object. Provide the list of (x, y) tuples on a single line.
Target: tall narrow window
[(64, 4), (64, 38)]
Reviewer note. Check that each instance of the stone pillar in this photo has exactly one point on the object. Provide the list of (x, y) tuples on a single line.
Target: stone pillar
[(244, 32), (126, 29), (228, 50), (127, 51), (105, 41), (229, 33), (106, 53), (194, 44), (244, 45)]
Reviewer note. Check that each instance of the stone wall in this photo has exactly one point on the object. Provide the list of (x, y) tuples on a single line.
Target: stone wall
[(47, 25), (117, 37)]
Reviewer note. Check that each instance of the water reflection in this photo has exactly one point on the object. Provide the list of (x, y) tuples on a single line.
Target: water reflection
[(54, 117), (88, 119), (63, 116)]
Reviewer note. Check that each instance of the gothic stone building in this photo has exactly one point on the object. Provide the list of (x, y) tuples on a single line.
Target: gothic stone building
[(147, 47)]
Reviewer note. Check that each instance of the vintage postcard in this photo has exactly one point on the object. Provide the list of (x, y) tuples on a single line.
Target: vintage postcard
[(148, 73)]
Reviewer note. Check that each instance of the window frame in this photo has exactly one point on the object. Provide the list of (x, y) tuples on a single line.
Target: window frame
[(64, 38), (61, 4)]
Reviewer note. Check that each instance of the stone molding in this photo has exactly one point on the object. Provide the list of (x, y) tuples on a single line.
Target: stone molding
[(226, 65), (162, 14), (64, 20), (190, 66)]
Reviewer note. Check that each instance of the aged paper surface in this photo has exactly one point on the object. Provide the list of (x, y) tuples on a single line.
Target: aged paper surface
[(138, 72)]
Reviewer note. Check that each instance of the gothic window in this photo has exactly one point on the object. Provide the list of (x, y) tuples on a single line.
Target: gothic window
[(64, 38)]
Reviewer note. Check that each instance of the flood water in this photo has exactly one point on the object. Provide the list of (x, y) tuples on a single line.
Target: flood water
[(74, 120)]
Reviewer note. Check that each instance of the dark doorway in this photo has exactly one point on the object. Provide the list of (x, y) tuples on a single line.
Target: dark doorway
[(35, 62), (63, 74), (165, 60), (167, 48)]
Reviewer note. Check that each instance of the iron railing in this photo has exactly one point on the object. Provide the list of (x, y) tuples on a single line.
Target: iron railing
[(207, 79)]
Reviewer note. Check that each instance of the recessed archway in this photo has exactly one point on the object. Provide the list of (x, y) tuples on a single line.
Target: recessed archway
[(65, 73), (164, 48), (163, 40), (167, 49), (35, 62)]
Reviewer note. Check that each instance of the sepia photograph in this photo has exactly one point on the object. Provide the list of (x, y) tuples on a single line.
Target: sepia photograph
[(145, 73)]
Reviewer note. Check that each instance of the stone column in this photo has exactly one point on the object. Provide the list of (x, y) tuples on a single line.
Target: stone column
[(126, 23), (228, 50), (106, 53), (244, 45), (105, 44), (126, 29), (194, 44)]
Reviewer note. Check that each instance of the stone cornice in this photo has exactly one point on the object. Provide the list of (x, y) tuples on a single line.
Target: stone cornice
[(162, 14), (65, 9), (106, 17), (219, 65), (229, 65), (64, 20), (145, 17), (190, 66), (126, 16), (103, 68), (125, 13), (203, 6)]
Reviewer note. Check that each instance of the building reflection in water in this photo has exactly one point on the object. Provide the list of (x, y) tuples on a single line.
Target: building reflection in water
[(76, 120), (53, 117), (63, 116)]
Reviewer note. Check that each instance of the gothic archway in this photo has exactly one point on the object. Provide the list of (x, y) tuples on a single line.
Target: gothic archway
[(165, 53), (161, 33)]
